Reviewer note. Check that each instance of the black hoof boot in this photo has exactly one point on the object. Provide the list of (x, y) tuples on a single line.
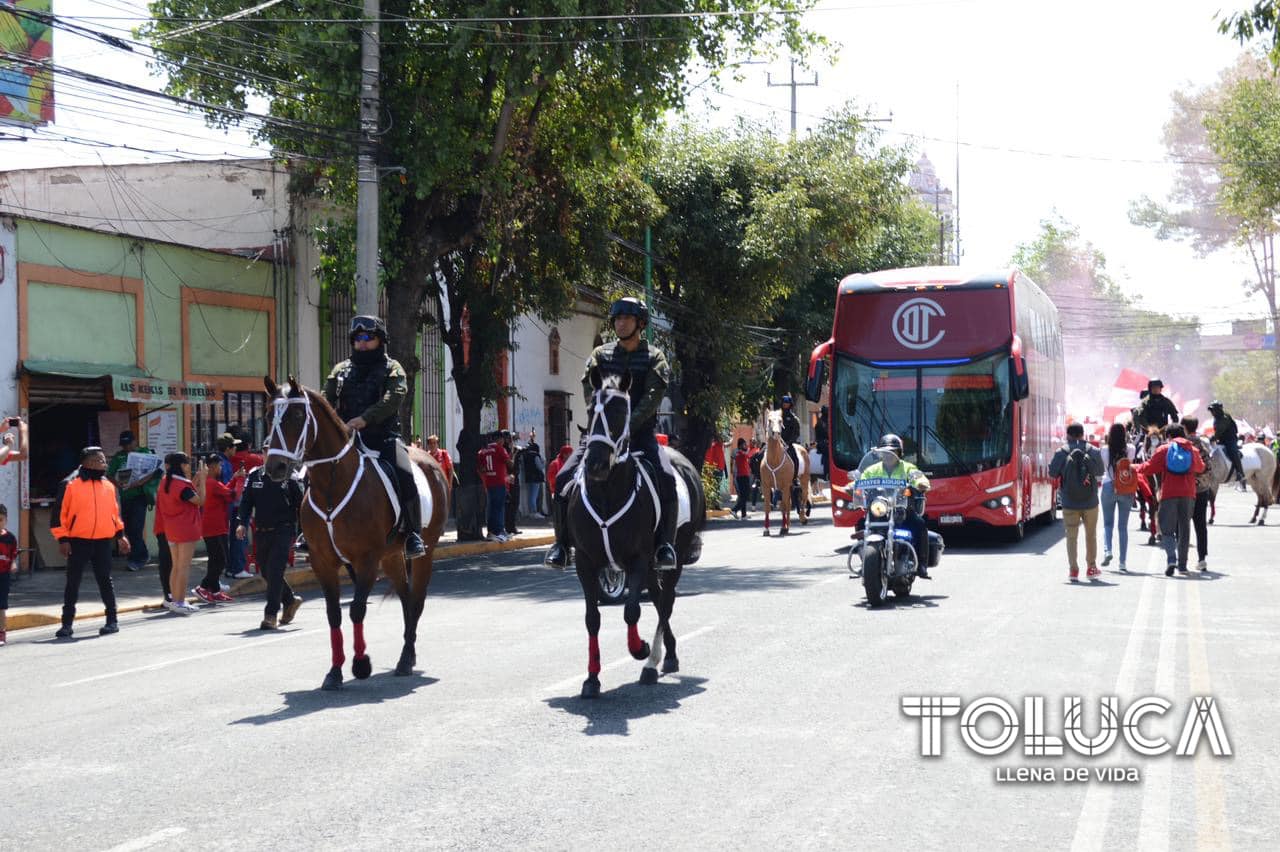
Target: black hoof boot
[(591, 687), (1142, 527), (361, 667), (784, 531), (643, 653), (648, 676), (333, 680), (670, 665), (404, 668), (766, 532)]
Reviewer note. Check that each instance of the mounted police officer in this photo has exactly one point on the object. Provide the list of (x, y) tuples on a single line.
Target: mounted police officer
[(650, 375), (366, 390), (790, 436), (1157, 409), (1226, 433)]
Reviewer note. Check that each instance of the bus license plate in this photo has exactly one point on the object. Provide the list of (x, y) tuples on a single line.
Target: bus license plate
[(951, 519)]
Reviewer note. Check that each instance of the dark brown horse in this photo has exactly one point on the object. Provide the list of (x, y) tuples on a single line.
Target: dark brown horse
[(349, 519)]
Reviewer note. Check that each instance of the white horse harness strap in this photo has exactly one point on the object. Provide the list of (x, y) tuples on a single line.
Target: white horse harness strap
[(299, 451), (642, 475)]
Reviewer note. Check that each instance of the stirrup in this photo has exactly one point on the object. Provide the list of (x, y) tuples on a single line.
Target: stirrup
[(557, 556), (413, 546), (666, 557)]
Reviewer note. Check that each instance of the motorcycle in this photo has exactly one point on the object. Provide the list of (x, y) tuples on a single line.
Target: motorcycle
[(889, 561)]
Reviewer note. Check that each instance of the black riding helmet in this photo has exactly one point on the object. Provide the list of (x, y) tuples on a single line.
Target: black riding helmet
[(891, 442), (368, 325), (629, 306), (1215, 406)]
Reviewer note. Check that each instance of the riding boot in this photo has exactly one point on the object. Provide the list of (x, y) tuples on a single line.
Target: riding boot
[(410, 507), (558, 555), (665, 555)]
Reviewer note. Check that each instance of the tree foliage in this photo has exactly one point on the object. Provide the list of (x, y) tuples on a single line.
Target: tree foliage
[(755, 228), (508, 124)]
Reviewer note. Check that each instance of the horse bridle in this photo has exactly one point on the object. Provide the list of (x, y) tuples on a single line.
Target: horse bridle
[(310, 431), (621, 445)]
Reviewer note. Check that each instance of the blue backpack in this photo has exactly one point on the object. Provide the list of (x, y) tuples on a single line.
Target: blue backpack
[(1178, 458)]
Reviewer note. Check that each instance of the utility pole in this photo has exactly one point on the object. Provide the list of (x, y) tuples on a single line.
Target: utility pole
[(793, 85), (367, 165)]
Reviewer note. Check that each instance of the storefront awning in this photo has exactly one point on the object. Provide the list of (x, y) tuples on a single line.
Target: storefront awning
[(90, 384), (78, 369)]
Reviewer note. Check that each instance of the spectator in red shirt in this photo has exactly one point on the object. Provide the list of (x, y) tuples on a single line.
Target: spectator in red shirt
[(215, 522), (442, 458), (494, 463), (179, 499), (8, 564), (553, 469), (1177, 495)]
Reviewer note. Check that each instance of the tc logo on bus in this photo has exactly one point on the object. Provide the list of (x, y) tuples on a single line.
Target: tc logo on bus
[(912, 320)]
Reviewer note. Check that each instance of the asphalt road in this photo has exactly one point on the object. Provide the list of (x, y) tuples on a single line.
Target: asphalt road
[(782, 729)]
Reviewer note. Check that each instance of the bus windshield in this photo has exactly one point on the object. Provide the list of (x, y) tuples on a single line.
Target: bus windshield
[(953, 420)]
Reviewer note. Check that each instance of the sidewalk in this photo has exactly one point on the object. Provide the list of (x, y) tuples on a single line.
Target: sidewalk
[(36, 600)]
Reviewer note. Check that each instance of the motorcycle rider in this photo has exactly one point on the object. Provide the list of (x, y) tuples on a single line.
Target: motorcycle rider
[(650, 375), (1226, 433), (366, 390), (893, 466)]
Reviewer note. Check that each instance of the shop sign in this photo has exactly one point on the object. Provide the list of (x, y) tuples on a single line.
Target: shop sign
[(142, 389)]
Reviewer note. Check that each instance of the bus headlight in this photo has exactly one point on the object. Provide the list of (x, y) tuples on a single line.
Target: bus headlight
[(879, 507)]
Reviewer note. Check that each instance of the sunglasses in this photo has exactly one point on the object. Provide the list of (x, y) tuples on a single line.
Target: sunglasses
[(362, 337)]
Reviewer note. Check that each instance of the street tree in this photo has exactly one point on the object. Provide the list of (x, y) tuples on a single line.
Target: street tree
[(506, 124)]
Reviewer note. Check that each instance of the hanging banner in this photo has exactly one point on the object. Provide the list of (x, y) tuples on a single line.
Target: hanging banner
[(162, 432), (137, 389), (26, 78)]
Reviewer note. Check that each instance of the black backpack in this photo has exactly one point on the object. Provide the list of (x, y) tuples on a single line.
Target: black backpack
[(1078, 483)]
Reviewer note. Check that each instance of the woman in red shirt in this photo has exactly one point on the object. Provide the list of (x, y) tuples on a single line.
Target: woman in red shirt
[(215, 517), (179, 500), (742, 477)]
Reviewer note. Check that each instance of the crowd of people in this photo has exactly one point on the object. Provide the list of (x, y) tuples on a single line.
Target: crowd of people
[(1158, 455)]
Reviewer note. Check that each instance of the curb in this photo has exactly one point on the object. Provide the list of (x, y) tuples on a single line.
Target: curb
[(300, 578)]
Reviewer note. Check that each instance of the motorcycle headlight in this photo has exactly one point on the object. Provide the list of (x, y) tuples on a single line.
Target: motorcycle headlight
[(879, 507)]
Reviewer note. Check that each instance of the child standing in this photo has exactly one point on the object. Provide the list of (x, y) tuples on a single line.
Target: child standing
[(179, 500), (8, 563)]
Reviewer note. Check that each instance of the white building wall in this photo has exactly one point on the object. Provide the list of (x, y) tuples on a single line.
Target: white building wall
[(531, 370)]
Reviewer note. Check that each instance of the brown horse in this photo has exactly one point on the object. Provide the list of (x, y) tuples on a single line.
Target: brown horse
[(349, 519), (777, 471)]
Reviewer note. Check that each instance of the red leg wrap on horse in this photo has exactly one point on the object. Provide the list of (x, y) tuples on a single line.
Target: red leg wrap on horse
[(335, 645), (634, 643), (359, 641), (593, 655)]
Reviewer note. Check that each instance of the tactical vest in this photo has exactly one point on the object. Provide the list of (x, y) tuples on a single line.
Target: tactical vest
[(613, 360), (359, 387)]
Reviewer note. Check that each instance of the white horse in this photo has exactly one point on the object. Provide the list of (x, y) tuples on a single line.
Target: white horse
[(1259, 465), (776, 471)]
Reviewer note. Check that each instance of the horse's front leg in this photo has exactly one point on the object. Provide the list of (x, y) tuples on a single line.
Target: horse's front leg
[(768, 503), (365, 575), (637, 570), (328, 576), (588, 578)]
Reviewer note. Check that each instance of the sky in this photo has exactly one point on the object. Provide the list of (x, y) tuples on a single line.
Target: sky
[(1060, 112)]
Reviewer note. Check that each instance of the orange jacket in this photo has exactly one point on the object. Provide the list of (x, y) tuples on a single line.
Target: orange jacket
[(87, 509)]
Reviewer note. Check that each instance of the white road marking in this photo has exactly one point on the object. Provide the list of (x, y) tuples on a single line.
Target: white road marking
[(149, 840), (561, 686), (166, 663), (1157, 790), (1091, 827), (1212, 829)]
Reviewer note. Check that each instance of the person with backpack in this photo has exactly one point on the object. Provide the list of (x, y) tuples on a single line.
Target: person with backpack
[(1204, 491), (1119, 490), (1176, 462), (1079, 467)]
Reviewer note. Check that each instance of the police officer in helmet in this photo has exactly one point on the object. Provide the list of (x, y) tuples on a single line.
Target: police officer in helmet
[(366, 390), (790, 435), (892, 465), (650, 375), (1158, 409), (1227, 433)]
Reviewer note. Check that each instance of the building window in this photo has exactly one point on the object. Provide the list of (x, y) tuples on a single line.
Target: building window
[(553, 352), (245, 409)]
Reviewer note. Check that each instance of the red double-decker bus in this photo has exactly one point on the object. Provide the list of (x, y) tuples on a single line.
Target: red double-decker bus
[(967, 369)]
